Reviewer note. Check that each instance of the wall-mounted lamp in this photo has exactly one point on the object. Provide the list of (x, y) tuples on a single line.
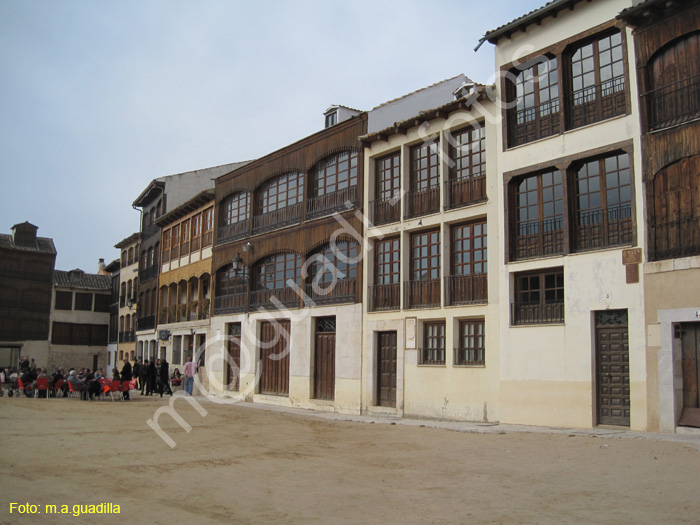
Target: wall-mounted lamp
[(130, 302), (248, 247), (237, 265)]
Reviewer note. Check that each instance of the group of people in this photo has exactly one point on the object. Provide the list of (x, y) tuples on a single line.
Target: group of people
[(151, 377)]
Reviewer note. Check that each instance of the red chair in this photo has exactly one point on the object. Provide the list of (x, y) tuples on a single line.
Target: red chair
[(57, 387), (77, 389), (21, 388), (104, 383), (42, 383), (114, 386), (124, 388)]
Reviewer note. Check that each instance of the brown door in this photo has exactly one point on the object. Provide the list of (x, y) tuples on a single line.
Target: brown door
[(324, 358), (274, 357), (690, 341), (612, 367), (233, 369), (386, 369)]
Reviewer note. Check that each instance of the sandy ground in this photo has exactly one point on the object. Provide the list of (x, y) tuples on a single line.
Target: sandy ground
[(242, 464)]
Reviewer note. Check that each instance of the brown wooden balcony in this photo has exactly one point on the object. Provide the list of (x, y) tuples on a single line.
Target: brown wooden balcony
[(232, 232), (234, 302), (207, 238), (465, 191), (175, 253), (605, 227), (466, 289), (537, 313), (331, 202), (422, 202), (673, 104), (384, 297), (534, 123), (539, 238), (385, 211), (596, 103), (343, 291), (277, 219), (421, 294)]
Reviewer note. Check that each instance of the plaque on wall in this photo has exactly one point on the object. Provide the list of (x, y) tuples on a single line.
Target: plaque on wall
[(410, 332)]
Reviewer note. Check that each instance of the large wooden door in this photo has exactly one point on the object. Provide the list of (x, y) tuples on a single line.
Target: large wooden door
[(233, 368), (274, 357), (324, 358), (612, 368), (386, 369), (690, 342)]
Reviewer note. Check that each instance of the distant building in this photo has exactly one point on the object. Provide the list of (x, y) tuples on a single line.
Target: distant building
[(113, 270), (80, 319), (26, 272), (128, 294)]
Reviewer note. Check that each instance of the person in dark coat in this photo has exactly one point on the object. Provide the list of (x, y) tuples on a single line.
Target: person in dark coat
[(143, 373), (151, 378), (164, 385), (126, 376)]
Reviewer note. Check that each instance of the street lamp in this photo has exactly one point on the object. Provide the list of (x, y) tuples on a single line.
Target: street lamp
[(237, 264)]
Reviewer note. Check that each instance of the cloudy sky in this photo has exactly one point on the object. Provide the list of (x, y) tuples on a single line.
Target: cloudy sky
[(99, 97)]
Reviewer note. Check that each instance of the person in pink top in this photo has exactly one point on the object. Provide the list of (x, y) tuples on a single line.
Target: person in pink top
[(189, 376)]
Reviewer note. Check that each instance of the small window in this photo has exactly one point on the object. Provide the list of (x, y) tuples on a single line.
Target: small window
[(470, 349), (83, 301), (331, 119), (64, 301), (433, 351), (539, 297)]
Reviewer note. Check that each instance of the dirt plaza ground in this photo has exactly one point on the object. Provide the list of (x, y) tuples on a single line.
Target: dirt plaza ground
[(251, 464)]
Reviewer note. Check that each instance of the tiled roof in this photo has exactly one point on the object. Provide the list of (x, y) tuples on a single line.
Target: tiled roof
[(43, 244), (79, 279), (128, 241), (550, 8)]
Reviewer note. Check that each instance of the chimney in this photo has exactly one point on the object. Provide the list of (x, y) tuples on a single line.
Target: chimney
[(100, 266)]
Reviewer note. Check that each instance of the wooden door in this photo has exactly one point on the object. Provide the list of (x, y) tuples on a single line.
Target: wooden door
[(690, 343), (324, 359), (612, 368), (386, 369), (233, 367), (274, 357)]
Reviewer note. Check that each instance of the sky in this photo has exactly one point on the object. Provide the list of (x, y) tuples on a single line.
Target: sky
[(99, 97)]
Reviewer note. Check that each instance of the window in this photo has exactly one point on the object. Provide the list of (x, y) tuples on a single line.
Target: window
[(282, 192), (124, 259), (83, 301), (423, 196), (131, 256), (535, 107), (433, 351), (331, 119), (79, 334), (270, 278), (539, 207), (470, 349), (208, 226), (64, 301), (423, 288), (175, 242), (102, 302), (467, 182), (334, 183), (603, 203), (597, 76), (384, 295), (235, 209), (166, 245), (333, 272), (385, 208), (467, 282), (539, 297)]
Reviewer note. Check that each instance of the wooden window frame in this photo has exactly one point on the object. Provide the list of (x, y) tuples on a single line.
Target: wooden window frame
[(63, 300), (394, 252), (434, 350), (276, 194), (540, 304), (471, 331), (330, 177), (433, 240)]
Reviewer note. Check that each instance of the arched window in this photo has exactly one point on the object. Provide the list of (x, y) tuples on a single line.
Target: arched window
[(131, 256), (122, 295), (675, 210), (233, 218), (270, 276), (124, 258), (335, 173), (281, 192), (335, 261), (674, 81)]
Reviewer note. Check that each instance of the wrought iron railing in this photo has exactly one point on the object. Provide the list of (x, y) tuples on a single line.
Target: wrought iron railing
[(468, 356), (537, 313), (149, 231), (421, 294), (384, 297), (673, 104), (464, 191), (271, 298), (148, 274), (605, 227), (278, 218), (422, 202), (539, 238), (330, 202), (342, 291), (232, 232), (385, 211), (431, 356), (466, 289)]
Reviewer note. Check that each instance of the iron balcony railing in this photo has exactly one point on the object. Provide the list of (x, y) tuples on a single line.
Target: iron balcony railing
[(149, 231), (233, 302), (466, 289), (537, 313), (384, 297), (431, 356), (465, 191), (422, 202), (331, 202), (272, 298), (385, 211), (673, 104), (232, 232), (148, 274), (468, 356), (605, 227), (342, 291), (278, 218), (421, 294)]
